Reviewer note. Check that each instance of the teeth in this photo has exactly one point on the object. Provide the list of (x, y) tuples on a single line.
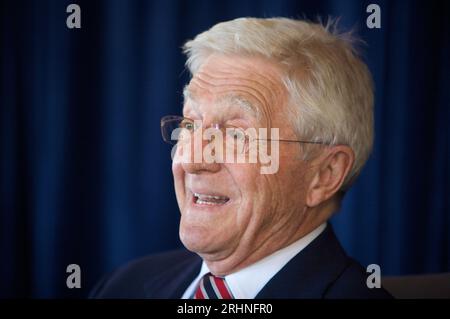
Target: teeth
[(202, 202), (204, 199)]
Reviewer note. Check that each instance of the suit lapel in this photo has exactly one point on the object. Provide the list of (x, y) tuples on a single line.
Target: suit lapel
[(309, 273), (173, 282)]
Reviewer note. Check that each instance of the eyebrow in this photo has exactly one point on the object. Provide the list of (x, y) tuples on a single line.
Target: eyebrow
[(229, 99)]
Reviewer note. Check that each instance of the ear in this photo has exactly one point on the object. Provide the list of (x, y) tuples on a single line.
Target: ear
[(332, 169)]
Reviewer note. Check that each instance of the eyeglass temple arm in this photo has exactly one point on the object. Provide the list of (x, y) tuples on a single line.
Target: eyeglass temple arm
[(290, 141)]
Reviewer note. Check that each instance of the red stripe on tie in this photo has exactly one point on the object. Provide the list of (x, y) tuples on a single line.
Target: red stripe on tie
[(222, 288), (199, 294)]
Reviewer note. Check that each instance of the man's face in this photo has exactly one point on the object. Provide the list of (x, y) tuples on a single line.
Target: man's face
[(252, 214)]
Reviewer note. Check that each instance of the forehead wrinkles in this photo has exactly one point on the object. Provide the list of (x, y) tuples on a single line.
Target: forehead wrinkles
[(229, 93), (227, 100), (265, 90)]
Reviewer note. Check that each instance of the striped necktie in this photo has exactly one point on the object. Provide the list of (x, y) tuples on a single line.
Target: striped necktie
[(212, 287)]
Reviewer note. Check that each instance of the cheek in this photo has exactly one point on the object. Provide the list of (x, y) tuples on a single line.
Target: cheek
[(255, 192), (269, 195), (245, 177), (292, 183)]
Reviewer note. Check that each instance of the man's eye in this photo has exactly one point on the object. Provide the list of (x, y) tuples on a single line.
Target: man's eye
[(187, 125), (236, 134)]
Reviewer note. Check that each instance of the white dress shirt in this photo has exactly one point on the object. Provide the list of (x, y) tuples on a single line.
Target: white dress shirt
[(248, 282)]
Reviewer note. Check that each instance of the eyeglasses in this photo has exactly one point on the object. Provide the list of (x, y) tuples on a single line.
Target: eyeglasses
[(176, 130)]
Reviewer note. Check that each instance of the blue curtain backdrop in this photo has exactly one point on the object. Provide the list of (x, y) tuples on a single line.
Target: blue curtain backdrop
[(85, 177)]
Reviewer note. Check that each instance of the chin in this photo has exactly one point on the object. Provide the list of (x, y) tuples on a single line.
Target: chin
[(199, 240), (193, 237)]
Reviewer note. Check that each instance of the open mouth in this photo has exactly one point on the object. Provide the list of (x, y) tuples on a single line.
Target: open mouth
[(211, 200)]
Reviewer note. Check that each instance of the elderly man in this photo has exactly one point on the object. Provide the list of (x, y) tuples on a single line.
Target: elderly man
[(254, 225)]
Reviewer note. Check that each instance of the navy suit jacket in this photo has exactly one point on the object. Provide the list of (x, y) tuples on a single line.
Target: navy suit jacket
[(321, 270)]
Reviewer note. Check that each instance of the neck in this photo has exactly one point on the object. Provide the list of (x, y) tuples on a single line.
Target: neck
[(241, 258)]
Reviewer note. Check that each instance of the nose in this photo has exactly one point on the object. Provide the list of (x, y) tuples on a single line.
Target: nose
[(194, 162), (201, 168)]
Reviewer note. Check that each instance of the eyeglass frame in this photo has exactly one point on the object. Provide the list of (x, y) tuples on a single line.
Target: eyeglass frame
[(167, 118)]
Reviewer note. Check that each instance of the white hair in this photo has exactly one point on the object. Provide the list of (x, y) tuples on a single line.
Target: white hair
[(330, 88)]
